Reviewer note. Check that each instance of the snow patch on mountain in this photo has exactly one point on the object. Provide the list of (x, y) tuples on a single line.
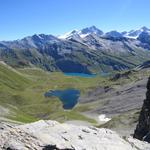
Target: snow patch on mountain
[(134, 34), (68, 34), (83, 33)]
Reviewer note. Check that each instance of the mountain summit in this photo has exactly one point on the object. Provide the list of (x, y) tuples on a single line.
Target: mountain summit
[(88, 50), (82, 33), (136, 33), (133, 34)]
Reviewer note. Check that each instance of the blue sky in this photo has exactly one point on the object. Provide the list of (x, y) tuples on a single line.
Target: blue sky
[(19, 18)]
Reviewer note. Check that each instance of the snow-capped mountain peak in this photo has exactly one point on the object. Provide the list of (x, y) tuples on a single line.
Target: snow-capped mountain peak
[(82, 33), (68, 34), (134, 34), (91, 30)]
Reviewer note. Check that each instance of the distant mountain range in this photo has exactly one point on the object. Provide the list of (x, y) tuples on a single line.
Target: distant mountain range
[(88, 50), (133, 34)]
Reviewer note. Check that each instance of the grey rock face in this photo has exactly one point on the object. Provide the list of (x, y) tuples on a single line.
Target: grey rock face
[(92, 30), (51, 135), (143, 127), (144, 65), (114, 34)]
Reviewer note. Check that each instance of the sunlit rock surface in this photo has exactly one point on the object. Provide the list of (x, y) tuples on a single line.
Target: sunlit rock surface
[(51, 135)]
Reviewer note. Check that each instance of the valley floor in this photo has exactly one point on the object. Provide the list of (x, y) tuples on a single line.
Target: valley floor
[(120, 99)]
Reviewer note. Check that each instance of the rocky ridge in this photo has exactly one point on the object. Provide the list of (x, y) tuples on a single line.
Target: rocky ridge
[(84, 51), (51, 135)]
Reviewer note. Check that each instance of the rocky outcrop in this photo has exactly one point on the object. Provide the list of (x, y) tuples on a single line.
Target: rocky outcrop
[(142, 131), (118, 76), (51, 135), (144, 65)]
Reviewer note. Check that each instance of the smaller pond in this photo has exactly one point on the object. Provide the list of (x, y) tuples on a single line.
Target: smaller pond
[(69, 97), (84, 75)]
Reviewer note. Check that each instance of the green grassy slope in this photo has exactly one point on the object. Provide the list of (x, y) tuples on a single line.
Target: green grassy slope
[(22, 92)]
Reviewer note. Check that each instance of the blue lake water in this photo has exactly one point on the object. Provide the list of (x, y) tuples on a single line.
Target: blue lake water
[(69, 97), (84, 75)]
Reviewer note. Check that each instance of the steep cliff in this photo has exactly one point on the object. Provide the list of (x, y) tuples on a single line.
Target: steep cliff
[(142, 131)]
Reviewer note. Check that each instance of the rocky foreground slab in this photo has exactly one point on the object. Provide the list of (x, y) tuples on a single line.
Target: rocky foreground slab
[(51, 135)]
